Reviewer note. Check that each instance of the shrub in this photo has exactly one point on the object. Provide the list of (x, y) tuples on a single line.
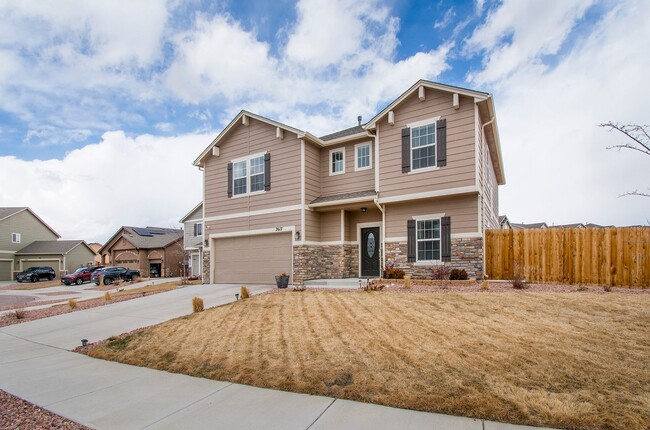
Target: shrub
[(607, 288), (407, 282), (485, 285), (582, 288), (518, 281), (72, 303), (458, 275), (394, 273), (244, 293), (299, 288), (373, 286), (107, 296), (19, 313), (440, 272), (197, 304)]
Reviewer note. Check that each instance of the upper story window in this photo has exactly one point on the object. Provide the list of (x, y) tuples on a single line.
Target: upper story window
[(428, 240), (198, 229), (337, 161), (248, 175), (423, 146), (363, 156), (15, 237)]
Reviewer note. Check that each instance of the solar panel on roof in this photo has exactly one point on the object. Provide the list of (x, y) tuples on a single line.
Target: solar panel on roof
[(142, 231)]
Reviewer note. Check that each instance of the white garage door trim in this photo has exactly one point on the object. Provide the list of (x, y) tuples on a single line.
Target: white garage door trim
[(264, 231)]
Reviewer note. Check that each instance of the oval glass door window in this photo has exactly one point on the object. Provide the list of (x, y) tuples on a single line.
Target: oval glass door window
[(371, 245)]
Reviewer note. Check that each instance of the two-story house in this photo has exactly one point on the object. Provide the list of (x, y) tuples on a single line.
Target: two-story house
[(414, 187), (193, 239)]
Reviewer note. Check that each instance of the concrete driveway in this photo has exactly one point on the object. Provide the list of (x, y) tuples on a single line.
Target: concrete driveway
[(36, 365)]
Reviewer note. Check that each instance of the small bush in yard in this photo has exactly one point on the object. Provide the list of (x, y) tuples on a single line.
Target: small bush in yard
[(440, 272), (582, 288), (518, 281), (107, 296), (299, 288), (72, 303), (373, 286), (607, 288), (407, 282), (458, 275), (197, 304), (485, 285), (394, 273), (244, 293), (19, 313)]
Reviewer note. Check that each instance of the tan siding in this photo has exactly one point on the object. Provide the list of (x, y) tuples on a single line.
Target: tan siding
[(350, 180), (358, 217), (487, 183), (460, 170), (243, 140), (463, 211), (189, 240), (330, 226), (312, 173), (282, 219), (29, 227), (312, 226)]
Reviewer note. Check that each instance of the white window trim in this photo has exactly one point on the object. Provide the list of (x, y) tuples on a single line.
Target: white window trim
[(15, 237), (356, 156), (417, 241), (329, 160), (420, 124), (248, 192)]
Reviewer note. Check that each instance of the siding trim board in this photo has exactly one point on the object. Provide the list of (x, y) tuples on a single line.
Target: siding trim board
[(429, 194), (254, 213)]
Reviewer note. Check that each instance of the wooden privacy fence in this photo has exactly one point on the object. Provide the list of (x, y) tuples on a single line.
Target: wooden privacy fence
[(606, 256)]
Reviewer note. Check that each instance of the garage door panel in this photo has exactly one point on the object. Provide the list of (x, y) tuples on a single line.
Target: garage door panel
[(5, 271), (252, 259)]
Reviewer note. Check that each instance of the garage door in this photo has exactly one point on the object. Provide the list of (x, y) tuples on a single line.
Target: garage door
[(5, 271), (54, 264), (252, 259)]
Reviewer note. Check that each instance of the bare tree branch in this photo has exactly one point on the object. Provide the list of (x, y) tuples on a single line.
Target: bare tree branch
[(641, 143)]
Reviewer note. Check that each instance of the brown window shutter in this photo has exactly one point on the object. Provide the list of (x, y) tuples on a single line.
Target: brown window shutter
[(445, 238), (441, 139), (411, 242), (229, 179), (267, 171), (406, 150)]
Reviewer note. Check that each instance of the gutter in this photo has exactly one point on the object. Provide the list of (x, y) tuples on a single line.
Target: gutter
[(383, 236)]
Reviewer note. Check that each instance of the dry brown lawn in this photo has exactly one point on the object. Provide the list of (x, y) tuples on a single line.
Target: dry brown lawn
[(572, 360)]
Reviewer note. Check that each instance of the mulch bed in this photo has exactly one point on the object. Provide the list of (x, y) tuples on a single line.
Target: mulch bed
[(24, 304), (16, 413), (60, 293), (31, 315), (41, 284)]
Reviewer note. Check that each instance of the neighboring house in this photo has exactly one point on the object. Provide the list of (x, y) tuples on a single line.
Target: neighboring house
[(416, 187), (521, 226), (19, 226), (576, 225), (193, 239), (95, 246), (154, 251), (504, 223), (64, 256)]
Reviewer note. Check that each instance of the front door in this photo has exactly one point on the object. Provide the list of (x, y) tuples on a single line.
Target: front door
[(370, 251)]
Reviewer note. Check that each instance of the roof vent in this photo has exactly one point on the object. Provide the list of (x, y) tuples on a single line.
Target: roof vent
[(359, 119)]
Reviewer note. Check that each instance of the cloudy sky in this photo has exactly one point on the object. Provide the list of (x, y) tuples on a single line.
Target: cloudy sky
[(104, 105)]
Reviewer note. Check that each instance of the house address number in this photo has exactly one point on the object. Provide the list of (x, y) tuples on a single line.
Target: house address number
[(278, 229)]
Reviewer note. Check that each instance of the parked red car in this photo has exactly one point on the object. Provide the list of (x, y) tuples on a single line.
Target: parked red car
[(80, 275)]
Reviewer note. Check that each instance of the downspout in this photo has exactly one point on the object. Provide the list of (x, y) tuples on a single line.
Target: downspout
[(383, 236), (481, 196)]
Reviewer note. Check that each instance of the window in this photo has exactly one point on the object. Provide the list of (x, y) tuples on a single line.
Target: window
[(198, 229), (428, 240), (15, 237), (363, 156), (337, 161), (423, 146), (248, 175)]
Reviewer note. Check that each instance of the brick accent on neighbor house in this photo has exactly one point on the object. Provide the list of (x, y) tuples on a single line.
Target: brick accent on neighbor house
[(324, 262), (466, 253), (206, 266)]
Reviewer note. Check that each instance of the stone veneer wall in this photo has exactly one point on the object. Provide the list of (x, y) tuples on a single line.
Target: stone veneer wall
[(466, 253), (206, 266), (324, 262)]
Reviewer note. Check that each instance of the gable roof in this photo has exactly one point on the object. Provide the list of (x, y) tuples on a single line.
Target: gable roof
[(357, 129), (237, 120), (53, 247), (521, 226), (147, 237), (190, 213), (11, 211)]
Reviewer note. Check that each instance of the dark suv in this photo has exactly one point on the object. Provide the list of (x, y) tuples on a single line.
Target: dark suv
[(114, 273), (79, 276), (34, 274)]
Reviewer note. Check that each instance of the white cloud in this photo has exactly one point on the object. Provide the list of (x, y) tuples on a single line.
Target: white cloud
[(557, 167), (446, 19), (89, 194), (519, 32)]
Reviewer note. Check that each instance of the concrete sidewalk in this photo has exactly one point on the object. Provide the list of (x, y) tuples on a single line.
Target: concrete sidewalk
[(36, 365)]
